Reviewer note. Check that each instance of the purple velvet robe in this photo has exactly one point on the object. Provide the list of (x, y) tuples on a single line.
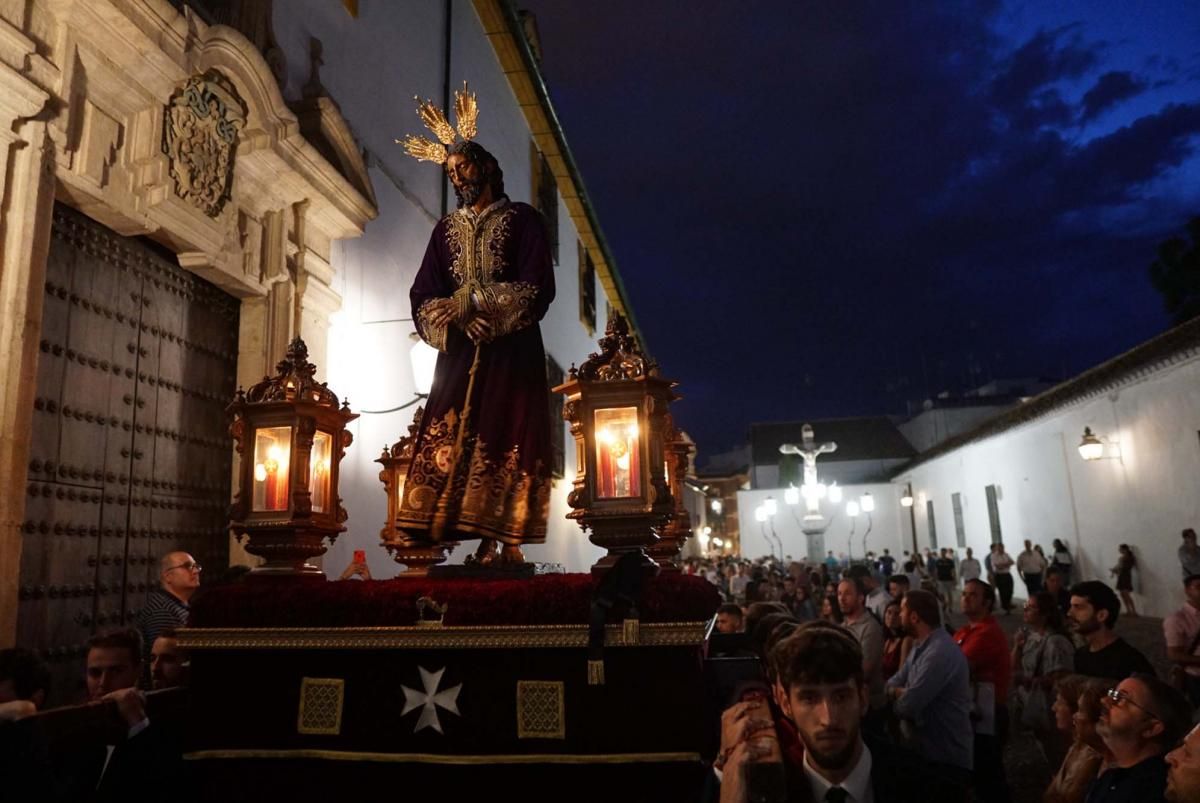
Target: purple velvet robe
[(498, 486)]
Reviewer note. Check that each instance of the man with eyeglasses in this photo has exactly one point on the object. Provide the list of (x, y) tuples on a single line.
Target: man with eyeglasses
[(1142, 718), (167, 607)]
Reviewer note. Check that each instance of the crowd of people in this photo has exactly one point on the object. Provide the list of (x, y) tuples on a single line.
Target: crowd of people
[(872, 687), (873, 696), (138, 757)]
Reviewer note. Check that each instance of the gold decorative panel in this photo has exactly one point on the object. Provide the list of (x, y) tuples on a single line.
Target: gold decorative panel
[(540, 710), (321, 705)]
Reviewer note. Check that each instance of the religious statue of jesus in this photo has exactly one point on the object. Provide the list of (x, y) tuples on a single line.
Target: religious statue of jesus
[(482, 454)]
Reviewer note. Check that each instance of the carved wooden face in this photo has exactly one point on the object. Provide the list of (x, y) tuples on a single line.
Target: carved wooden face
[(466, 176)]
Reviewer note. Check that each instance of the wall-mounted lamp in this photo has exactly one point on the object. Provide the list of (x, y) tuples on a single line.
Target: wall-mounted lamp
[(906, 500), (423, 360), (1092, 447), (867, 503), (852, 509)]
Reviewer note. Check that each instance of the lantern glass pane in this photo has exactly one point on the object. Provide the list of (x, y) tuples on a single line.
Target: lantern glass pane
[(618, 462), (320, 462), (272, 457)]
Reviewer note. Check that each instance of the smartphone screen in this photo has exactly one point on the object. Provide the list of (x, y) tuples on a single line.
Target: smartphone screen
[(360, 556)]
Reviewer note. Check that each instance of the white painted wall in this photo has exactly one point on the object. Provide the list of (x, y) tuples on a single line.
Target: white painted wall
[(373, 65), (1047, 491), (889, 526)]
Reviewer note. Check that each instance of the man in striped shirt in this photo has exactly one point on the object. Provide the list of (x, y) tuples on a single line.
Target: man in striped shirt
[(167, 607)]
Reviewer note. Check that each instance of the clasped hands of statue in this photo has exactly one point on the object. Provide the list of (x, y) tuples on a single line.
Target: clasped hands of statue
[(475, 324)]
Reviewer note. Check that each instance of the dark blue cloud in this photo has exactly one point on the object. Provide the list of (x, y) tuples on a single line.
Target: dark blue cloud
[(1110, 89), (1025, 90)]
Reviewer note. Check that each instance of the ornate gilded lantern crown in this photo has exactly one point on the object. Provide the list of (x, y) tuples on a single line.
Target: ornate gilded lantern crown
[(293, 381), (619, 357), (466, 114)]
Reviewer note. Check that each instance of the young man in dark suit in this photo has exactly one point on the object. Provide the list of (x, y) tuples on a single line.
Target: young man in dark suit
[(823, 692)]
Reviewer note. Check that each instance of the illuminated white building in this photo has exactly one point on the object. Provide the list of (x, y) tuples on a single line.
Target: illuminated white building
[(1022, 474)]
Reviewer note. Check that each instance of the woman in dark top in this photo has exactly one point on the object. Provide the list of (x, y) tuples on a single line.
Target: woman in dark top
[(896, 643), (1062, 561), (1126, 563), (830, 611)]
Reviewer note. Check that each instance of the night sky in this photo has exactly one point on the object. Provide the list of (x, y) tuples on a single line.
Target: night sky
[(833, 208)]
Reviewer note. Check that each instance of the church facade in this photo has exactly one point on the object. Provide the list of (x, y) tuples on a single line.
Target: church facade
[(185, 188)]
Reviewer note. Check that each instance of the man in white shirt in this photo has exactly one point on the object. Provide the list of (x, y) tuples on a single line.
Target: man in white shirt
[(969, 568), (1002, 565), (1032, 568)]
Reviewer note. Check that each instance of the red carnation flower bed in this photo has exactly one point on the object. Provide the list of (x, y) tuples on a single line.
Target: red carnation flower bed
[(552, 599)]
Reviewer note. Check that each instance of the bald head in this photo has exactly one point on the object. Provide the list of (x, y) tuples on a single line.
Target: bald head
[(179, 575)]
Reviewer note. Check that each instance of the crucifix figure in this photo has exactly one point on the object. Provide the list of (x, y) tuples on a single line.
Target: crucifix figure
[(809, 450)]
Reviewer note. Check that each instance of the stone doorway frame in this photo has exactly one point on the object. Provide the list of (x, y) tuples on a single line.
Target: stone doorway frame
[(84, 88)]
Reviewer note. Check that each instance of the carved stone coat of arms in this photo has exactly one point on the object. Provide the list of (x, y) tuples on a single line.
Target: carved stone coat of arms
[(200, 133)]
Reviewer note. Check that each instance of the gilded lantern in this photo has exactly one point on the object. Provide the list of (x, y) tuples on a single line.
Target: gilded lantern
[(418, 555), (674, 534), (291, 435), (617, 408)]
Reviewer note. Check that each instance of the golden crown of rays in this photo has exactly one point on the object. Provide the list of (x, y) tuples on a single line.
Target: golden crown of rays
[(466, 112)]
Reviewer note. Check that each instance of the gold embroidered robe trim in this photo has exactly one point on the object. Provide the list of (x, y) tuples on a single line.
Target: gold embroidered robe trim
[(476, 243), (508, 305), (434, 335), (491, 498)]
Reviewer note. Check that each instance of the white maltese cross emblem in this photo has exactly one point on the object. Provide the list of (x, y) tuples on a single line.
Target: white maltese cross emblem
[(431, 699)]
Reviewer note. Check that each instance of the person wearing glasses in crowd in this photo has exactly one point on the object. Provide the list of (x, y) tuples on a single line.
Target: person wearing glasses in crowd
[(1143, 719), (167, 606)]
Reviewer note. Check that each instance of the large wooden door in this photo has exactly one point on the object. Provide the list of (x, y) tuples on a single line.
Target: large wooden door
[(130, 456)]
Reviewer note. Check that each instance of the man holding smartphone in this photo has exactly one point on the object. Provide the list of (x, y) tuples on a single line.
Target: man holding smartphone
[(823, 692)]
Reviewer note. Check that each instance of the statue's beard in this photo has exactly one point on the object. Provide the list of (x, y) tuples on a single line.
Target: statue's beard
[(470, 191)]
